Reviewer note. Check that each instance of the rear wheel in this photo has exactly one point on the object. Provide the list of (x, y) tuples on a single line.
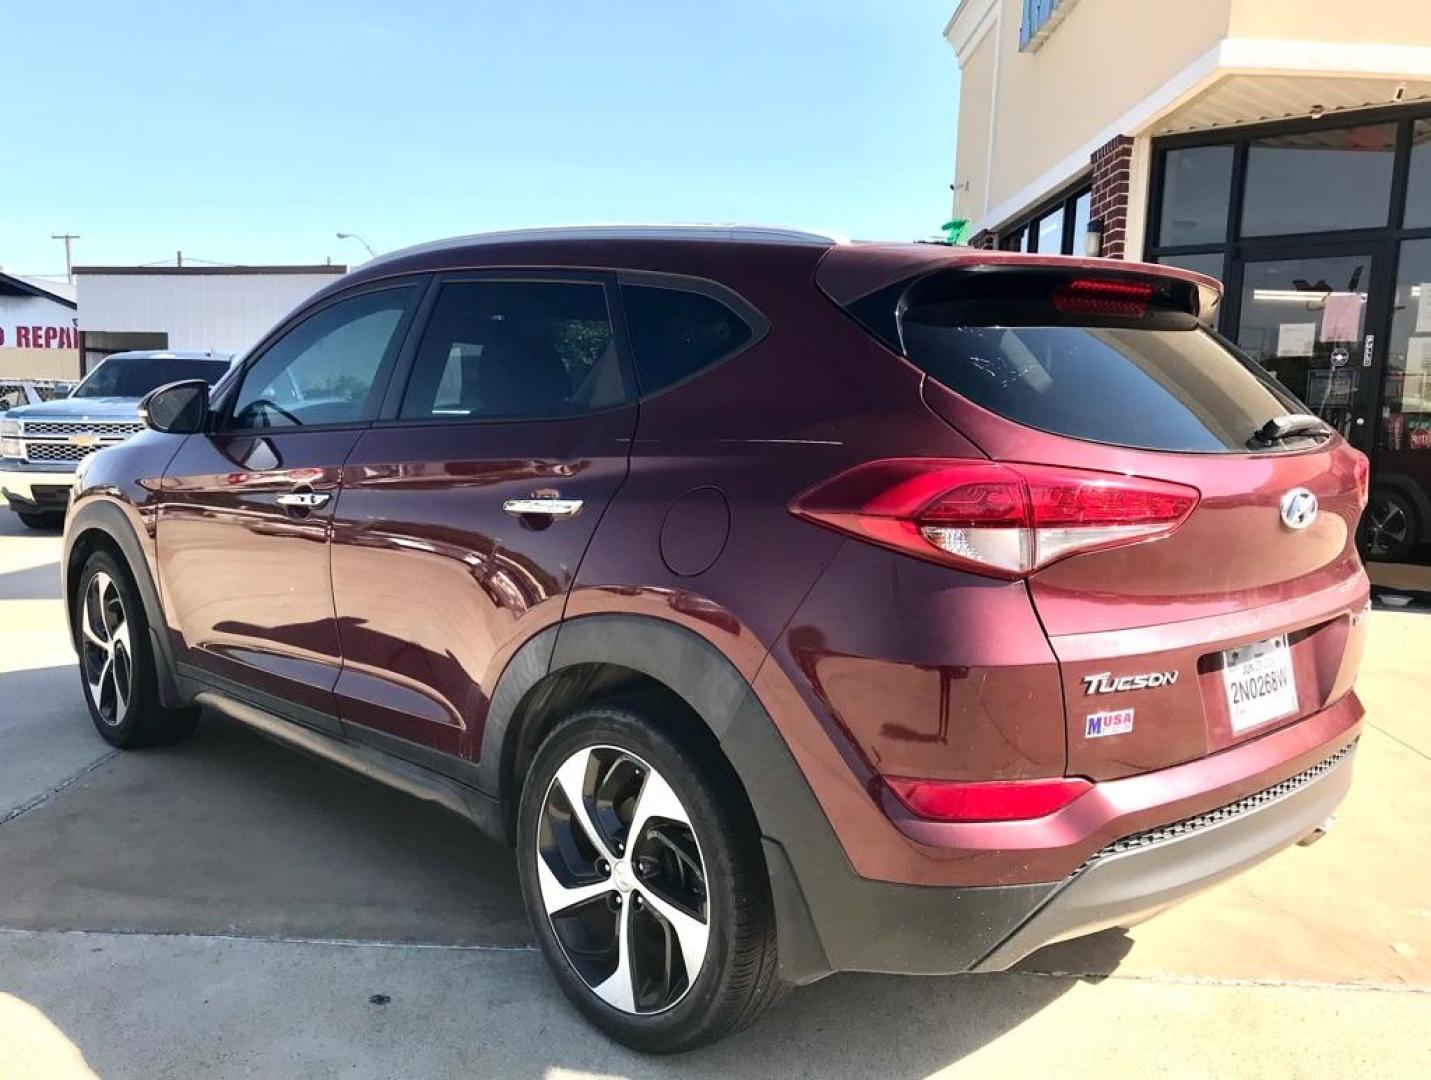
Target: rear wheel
[(1390, 528), (645, 884), (41, 519), (117, 671)]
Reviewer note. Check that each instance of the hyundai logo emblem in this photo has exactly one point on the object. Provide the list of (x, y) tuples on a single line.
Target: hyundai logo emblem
[(1299, 508)]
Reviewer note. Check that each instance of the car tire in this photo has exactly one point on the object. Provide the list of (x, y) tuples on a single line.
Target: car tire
[(1390, 528), (118, 676), (684, 906), (40, 519)]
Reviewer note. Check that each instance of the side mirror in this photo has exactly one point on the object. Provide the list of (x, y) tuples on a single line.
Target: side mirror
[(180, 408)]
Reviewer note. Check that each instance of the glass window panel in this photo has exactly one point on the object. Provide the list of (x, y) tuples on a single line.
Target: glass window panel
[(325, 370), (509, 349), (675, 334), (1302, 319), (1050, 233), (1401, 455), (1082, 206), (1197, 184), (1319, 181), (1406, 400), (1418, 188), (1209, 263)]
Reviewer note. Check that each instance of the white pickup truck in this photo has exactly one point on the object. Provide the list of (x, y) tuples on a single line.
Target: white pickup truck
[(42, 443)]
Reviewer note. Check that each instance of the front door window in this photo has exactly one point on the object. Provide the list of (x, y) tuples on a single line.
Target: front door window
[(1304, 320)]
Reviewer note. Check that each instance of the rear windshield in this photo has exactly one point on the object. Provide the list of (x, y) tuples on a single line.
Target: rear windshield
[(1161, 382)]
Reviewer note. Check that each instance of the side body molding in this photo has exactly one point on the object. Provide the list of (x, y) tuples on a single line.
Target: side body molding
[(696, 671)]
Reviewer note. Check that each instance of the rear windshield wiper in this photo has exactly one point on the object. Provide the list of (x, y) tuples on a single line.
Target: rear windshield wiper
[(1287, 427)]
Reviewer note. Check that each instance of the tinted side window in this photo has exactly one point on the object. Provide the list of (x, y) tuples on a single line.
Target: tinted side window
[(515, 349), (325, 370), (677, 333)]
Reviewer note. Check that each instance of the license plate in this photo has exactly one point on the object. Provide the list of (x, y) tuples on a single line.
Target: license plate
[(1259, 683)]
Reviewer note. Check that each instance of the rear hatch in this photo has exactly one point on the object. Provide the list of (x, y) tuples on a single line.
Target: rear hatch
[(1237, 612)]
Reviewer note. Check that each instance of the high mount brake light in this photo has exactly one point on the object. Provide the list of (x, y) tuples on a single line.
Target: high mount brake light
[(1109, 287), (1103, 296), (995, 800), (1000, 520)]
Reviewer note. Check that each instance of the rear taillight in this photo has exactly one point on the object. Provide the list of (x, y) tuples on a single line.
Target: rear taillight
[(993, 800), (1005, 520), (1361, 471)]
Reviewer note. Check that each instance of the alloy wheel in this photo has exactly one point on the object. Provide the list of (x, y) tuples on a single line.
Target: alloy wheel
[(1385, 528), (622, 880), (106, 654)]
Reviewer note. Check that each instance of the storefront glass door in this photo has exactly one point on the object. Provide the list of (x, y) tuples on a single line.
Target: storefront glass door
[(1305, 318), (1401, 453)]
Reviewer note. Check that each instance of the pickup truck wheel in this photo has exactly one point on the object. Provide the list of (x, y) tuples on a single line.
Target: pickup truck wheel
[(41, 519), (117, 672)]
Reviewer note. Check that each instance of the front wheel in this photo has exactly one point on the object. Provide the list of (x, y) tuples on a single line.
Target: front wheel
[(644, 882), (117, 669)]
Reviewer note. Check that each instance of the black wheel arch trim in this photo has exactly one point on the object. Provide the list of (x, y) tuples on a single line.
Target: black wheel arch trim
[(828, 918), (109, 519)]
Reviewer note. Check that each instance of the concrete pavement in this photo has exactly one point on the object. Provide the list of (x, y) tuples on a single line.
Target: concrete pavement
[(229, 908)]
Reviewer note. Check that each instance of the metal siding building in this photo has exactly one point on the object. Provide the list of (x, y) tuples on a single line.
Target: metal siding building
[(222, 309), (37, 329)]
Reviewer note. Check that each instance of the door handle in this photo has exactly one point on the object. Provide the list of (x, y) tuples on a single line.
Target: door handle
[(302, 500), (556, 509)]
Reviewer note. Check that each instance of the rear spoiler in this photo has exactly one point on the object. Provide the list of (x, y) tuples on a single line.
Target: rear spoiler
[(1047, 294)]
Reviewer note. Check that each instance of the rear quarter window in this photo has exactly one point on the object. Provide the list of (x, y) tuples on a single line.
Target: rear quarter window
[(676, 333)]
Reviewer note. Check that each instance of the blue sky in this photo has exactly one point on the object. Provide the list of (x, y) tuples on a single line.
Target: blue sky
[(252, 132)]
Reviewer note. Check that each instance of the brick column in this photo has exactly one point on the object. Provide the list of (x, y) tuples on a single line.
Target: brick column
[(1111, 163)]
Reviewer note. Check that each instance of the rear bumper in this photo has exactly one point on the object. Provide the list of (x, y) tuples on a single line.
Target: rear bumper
[(36, 487), (923, 930), (1140, 875)]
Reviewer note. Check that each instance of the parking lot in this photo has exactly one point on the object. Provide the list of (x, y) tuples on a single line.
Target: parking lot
[(228, 907)]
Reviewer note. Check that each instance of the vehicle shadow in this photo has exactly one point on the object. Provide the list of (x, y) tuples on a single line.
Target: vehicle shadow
[(231, 835), (11, 525), (32, 583)]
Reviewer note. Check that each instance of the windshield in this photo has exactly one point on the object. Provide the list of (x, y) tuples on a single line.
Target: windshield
[(133, 377)]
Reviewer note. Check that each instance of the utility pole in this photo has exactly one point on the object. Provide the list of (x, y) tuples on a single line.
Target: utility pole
[(68, 238)]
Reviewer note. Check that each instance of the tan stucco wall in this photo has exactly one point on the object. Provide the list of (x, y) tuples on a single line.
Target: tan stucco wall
[(1108, 58), (40, 363), (1392, 22), (972, 151), (1105, 57)]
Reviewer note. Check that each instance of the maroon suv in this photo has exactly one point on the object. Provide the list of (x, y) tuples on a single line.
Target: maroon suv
[(792, 606)]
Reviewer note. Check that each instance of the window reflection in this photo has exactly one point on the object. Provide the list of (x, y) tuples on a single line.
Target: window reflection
[(1339, 178)]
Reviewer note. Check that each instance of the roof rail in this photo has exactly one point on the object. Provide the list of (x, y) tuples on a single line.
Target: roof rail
[(763, 234)]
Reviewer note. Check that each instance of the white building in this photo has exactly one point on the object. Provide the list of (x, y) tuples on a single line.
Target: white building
[(217, 308), (38, 334)]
